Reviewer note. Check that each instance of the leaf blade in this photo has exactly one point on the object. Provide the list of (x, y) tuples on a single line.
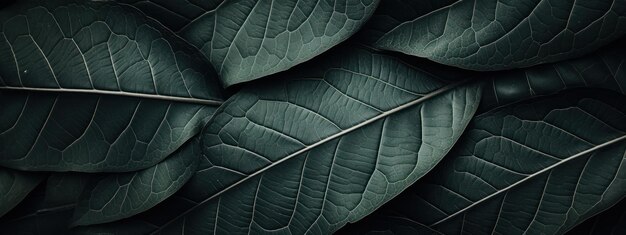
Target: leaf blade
[(417, 143), (494, 35), (503, 177), (15, 186), (91, 55), (127, 194), (247, 40)]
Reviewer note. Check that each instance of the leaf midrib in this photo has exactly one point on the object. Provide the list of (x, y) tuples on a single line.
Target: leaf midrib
[(532, 176), (323, 141), (119, 93)]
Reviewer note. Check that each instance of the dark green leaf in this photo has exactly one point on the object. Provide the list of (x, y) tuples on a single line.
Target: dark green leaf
[(122, 195), (149, 221), (539, 166), (92, 133), (91, 86), (14, 186), (496, 35), (249, 39), (330, 152), (98, 48), (175, 14)]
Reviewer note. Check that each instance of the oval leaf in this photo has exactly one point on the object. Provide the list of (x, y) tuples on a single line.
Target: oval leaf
[(122, 195), (334, 140), (249, 39), (496, 35), (540, 166), (105, 88), (98, 48), (14, 186)]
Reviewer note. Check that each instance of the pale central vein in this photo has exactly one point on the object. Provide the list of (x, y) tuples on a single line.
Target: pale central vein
[(531, 176), (325, 140), (119, 93)]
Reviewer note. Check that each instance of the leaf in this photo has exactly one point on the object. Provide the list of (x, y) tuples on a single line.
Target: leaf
[(539, 166), (146, 222), (175, 14), (604, 69), (122, 195), (14, 186), (104, 87), (98, 48), (491, 35), (333, 140), (48, 209), (246, 40), (612, 221), (387, 17)]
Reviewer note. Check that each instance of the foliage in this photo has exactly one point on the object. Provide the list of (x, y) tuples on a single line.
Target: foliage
[(312, 117)]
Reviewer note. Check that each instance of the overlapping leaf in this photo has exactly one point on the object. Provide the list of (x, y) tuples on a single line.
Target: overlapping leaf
[(600, 70), (122, 195), (540, 166), (91, 86), (246, 40), (118, 86), (14, 186), (333, 140), (110, 49), (496, 34), (175, 14)]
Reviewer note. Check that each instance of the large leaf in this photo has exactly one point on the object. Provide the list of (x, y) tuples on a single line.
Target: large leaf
[(539, 166), (249, 39), (122, 195), (612, 221), (14, 186), (175, 14), (48, 209), (605, 69), (92, 87), (324, 144), (99, 47), (496, 35)]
